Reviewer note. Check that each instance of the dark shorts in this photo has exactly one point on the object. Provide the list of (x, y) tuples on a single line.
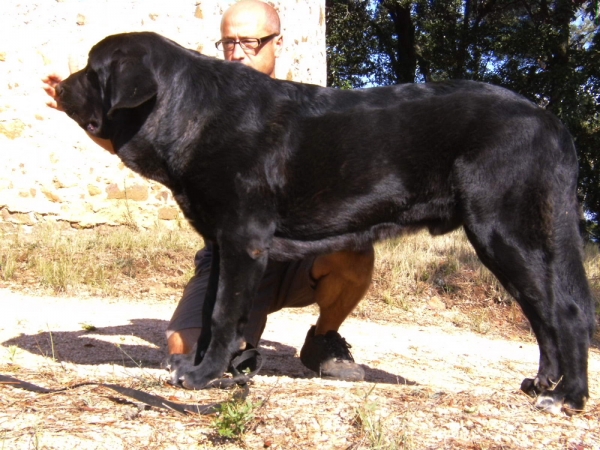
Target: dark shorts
[(284, 285)]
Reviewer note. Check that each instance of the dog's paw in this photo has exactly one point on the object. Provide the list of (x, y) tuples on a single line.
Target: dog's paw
[(178, 365), (553, 400), (196, 379), (530, 388), (549, 404)]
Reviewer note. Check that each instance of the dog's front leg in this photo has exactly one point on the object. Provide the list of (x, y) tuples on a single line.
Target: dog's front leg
[(210, 299), (241, 269), (179, 364)]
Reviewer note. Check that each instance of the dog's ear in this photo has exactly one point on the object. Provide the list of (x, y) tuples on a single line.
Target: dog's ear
[(132, 84)]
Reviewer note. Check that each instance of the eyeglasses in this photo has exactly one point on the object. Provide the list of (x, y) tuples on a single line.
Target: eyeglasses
[(227, 45)]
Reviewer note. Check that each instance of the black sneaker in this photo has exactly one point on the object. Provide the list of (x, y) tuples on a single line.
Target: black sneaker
[(328, 355)]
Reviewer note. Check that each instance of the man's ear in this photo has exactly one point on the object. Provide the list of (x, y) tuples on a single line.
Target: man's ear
[(278, 45), (131, 85)]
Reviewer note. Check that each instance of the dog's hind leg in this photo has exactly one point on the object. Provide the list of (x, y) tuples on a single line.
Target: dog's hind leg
[(542, 269)]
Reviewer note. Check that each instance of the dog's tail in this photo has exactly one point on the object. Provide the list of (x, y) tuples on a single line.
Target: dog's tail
[(283, 249)]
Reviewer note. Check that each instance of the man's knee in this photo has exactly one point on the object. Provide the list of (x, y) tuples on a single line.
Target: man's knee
[(353, 266), (183, 341)]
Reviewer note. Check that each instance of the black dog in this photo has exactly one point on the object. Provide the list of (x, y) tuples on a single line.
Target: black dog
[(275, 169)]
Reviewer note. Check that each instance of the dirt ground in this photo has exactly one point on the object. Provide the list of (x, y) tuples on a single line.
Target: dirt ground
[(425, 387)]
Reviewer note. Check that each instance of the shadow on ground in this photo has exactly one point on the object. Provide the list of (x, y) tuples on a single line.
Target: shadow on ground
[(280, 360), (104, 345), (112, 345)]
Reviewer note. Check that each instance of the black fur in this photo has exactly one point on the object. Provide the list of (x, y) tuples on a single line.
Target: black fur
[(275, 169)]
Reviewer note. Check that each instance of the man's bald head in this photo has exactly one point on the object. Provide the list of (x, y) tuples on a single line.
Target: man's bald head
[(261, 14), (253, 19)]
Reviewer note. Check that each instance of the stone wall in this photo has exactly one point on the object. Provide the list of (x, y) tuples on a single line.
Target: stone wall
[(51, 170)]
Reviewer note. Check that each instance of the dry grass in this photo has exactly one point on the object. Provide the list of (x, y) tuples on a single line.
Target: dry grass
[(443, 274), (105, 261), (412, 273)]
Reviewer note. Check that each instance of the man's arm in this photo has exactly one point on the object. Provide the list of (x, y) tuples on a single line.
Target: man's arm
[(50, 83)]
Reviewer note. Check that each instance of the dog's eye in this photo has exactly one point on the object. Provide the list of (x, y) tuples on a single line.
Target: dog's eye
[(92, 77)]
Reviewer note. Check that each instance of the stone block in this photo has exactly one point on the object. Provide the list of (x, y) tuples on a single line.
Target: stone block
[(15, 204), (51, 195), (114, 192), (21, 218), (94, 190), (135, 192), (12, 129), (65, 180), (168, 213)]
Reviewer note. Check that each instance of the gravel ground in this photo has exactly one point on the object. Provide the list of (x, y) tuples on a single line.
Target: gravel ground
[(425, 387)]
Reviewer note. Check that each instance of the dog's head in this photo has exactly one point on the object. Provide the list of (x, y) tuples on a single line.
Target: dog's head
[(118, 77)]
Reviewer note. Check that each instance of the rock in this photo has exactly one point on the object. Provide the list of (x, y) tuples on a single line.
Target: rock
[(436, 303), (168, 213), (113, 192), (51, 195), (163, 196), (136, 192), (12, 129), (20, 218), (65, 180), (94, 190), (27, 205)]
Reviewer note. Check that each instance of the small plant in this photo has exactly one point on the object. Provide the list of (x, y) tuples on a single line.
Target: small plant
[(404, 303), (480, 322), (138, 364), (234, 418), (371, 424), (12, 353), (51, 343), (8, 264), (35, 438), (388, 297), (128, 217), (375, 430), (88, 327)]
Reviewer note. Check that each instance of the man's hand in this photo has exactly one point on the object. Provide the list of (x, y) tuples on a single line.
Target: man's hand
[(50, 83)]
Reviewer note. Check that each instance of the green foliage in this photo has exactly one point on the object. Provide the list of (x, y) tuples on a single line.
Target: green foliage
[(234, 417), (547, 50), (349, 44)]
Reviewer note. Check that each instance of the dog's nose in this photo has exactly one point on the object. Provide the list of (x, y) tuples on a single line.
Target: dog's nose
[(59, 89)]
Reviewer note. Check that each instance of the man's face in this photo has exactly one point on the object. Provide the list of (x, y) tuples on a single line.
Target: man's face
[(245, 24)]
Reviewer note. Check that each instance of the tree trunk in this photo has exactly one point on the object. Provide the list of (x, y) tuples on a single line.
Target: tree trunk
[(405, 64)]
